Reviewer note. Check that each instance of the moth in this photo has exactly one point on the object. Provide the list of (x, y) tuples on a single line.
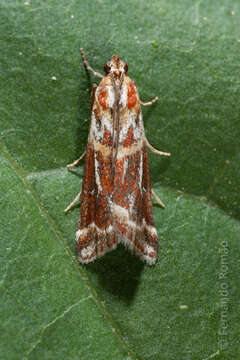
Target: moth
[(116, 197)]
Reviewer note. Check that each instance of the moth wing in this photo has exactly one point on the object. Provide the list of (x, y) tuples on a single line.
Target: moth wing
[(132, 200), (116, 204), (132, 207), (95, 235)]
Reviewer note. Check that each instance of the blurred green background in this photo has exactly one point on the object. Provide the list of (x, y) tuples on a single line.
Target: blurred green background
[(188, 54)]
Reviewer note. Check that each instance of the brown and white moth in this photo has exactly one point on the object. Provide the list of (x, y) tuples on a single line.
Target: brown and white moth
[(116, 197)]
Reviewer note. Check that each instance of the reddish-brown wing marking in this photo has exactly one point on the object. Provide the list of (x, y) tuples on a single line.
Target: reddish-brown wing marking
[(116, 205)]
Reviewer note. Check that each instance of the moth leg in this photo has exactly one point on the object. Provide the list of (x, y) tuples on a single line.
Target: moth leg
[(88, 67), (77, 161), (94, 88), (158, 199), (149, 102), (77, 198), (150, 147)]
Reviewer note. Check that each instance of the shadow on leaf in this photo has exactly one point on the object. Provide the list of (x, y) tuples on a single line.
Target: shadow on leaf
[(119, 273)]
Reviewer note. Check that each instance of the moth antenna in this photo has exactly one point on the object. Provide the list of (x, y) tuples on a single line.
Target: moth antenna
[(88, 67)]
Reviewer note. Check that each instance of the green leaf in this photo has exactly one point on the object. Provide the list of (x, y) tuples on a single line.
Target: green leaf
[(186, 306), (48, 309)]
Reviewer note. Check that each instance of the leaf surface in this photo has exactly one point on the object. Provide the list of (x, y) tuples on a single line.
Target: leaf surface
[(185, 52)]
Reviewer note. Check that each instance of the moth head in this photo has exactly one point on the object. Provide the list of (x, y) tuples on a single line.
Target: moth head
[(116, 66)]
